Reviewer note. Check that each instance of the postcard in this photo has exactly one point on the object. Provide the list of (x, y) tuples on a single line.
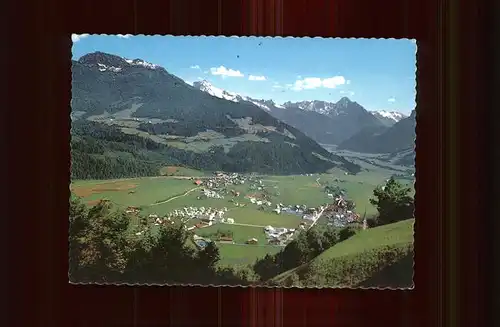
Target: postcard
[(242, 161)]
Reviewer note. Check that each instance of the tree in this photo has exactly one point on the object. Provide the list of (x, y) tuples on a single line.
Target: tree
[(98, 243), (314, 243), (293, 281), (209, 256), (266, 267), (393, 202), (330, 237), (295, 253), (346, 232), (78, 226), (164, 258), (335, 190), (102, 248)]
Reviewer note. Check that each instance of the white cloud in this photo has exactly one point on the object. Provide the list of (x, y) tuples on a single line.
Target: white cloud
[(195, 67), (277, 86), (78, 37), (333, 82), (124, 36), (316, 82), (256, 78), (348, 82), (307, 83), (225, 72), (391, 100)]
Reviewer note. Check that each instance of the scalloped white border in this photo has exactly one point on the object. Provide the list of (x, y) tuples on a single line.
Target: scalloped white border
[(409, 288)]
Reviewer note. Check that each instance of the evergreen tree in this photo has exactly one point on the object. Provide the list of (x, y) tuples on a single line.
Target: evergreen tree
[(393, 202)]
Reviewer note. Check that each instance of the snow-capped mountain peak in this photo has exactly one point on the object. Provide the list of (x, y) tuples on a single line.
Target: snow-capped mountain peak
[(103, 68), (108, 62), (205, 86), (140, 62), (388, 115), (341, 107), (259, 103)]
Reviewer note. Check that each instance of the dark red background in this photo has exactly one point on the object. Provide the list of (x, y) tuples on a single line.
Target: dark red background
[(449, 248)]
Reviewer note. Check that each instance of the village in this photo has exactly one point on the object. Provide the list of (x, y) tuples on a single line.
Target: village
[(219, 187)]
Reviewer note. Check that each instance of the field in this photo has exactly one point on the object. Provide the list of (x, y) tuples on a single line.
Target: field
[(131, 192), (176, 190)]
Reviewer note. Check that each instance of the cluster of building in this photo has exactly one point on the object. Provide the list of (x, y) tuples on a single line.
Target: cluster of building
[(297, 209), (313, 214), (222, 180), (210, 194), (278, 235), (256, 185), (203, 213), (216, 186), (132, 210), (338, 214), (259, 202), (300, 210)]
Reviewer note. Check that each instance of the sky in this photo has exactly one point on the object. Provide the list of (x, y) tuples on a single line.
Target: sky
[(379, 74)]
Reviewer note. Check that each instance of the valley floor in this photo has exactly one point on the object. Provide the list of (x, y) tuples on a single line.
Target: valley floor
[(248, 205)]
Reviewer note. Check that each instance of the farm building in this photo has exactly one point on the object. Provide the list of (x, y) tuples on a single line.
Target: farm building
[(201, 243), (269, 229), (198, 182), (225, 239), (132, 209), (252, 241)]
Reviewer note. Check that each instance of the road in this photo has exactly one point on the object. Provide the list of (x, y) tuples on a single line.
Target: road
[(175, 197), (316, 220), (248, 225), (243, 244)]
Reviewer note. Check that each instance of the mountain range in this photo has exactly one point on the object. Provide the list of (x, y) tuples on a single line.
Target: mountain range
[(129, 110), (325, 122), (398, 137)]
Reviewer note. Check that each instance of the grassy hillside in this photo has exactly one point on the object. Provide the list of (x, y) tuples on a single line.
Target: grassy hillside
[(394, 276), (363, 259)]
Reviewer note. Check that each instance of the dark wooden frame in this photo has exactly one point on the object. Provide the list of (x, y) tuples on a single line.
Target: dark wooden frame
[(448, 273)]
